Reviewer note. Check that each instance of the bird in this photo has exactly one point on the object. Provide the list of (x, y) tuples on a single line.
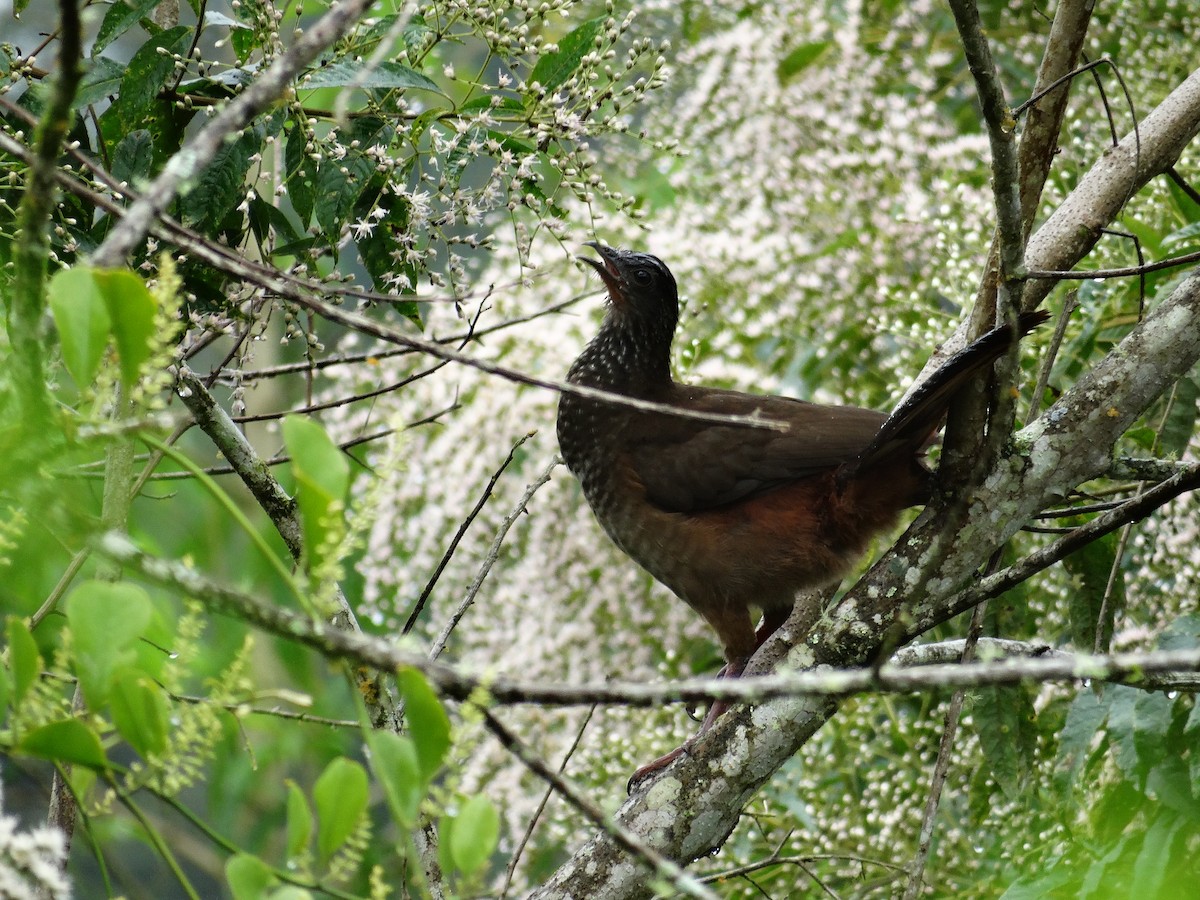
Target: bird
[(734, 518)]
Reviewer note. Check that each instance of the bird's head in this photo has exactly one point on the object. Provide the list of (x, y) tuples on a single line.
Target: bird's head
[(639, 285)]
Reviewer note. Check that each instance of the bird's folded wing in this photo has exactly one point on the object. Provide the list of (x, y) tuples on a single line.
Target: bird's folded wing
[(688, 465)]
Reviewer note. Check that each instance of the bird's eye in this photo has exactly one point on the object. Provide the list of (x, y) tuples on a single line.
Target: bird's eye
[(642, 276)]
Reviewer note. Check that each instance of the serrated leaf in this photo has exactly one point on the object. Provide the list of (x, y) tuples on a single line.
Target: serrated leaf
[(299, 821), (338, 186), (475, 834), (340, 795), (428, 723), (267, 220), (386, 75), (301, 175), (23, 658), (552, 69), (1138, 722), (131, 309), (139, 711), (120, 17), (105, 621), (133, 157), (69, 741), (1002, 717), (1091, 566), (397, 768), (81, 317), (222, 184), (248, 877)]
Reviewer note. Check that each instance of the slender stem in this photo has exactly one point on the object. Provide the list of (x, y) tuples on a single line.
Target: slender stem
[(663, 867)]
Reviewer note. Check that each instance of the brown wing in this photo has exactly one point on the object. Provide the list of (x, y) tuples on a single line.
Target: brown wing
[(688, 465)]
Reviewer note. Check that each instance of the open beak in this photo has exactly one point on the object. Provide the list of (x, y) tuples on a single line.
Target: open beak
[(607, 268)]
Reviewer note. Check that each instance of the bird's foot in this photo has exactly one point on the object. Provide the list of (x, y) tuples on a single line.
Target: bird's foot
[(655, 766)]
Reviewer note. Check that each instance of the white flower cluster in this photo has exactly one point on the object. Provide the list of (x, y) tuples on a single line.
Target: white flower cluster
[(32, 862)]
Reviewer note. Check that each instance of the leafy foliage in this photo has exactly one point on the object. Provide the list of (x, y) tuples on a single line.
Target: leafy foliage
[(431, 170)]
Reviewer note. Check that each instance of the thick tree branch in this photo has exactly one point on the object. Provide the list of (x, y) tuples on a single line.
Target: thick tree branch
[(1069, 444)]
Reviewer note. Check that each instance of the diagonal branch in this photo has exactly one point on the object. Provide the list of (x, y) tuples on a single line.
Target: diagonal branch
[(1070, 443)]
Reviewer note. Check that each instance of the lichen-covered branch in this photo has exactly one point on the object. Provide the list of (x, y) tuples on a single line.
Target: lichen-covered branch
[(702, 795)]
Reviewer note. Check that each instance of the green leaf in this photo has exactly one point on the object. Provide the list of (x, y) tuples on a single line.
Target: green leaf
[(1084, 719), (131, 308), (1184, 235), (428, 723), (1153, 860), (121, 16), (101, 80), (1191, 730), (23, 658), (139, 711), (105, 621), (552, 69), (1138, 722), (248, 877), (81, 316), (5, 693), (69, 741), (341, 798), (133, 157), (1090, 566), (1180, 421), (338, 186), (290, 892), (147, 73), (801, 58), (1003, 717), (387, 75), (299, 821), (301, 175), (222, 184), (396, 765), (322, 476), (475, 834)]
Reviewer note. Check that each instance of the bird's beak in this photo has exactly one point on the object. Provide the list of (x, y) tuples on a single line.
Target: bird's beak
[(607, 268)]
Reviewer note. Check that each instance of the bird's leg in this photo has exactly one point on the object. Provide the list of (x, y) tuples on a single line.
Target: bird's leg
[(736, 630), (733, 668)]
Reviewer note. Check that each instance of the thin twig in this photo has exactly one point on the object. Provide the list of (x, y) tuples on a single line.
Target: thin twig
[(458, 536), (942, 765), (1088, 274), (1060, 329), (490, 560), (537, 813), (1153, 670), (663, 867)]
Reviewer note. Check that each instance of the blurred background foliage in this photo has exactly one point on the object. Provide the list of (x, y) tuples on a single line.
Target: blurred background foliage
[(815, 174)]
